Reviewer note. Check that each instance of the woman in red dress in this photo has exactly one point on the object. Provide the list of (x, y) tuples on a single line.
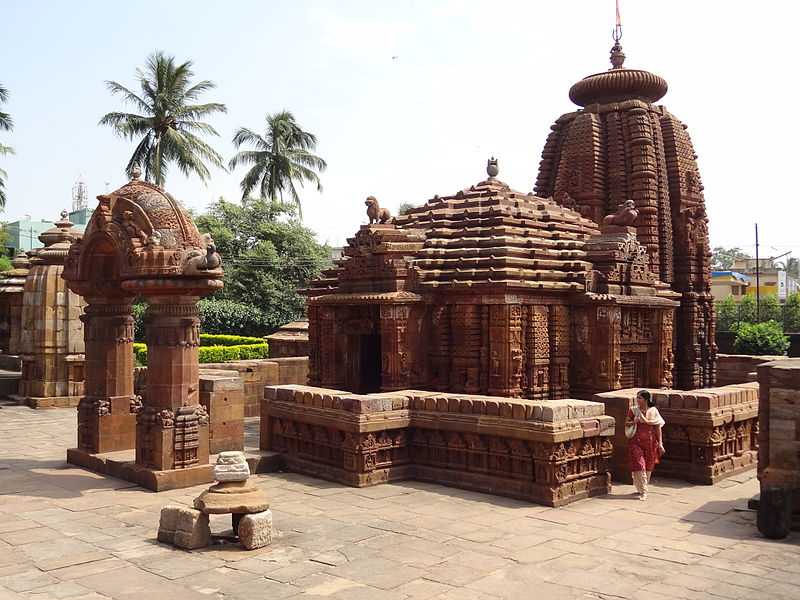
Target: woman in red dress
[(646, 446)]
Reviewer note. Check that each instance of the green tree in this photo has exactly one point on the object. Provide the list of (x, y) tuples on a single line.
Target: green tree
[(167, 123), (722, 258), (6, 124), (770, 309), (267, 254), (726, 314), (278, 160), (760, 338), (747, 310), (791, 313)]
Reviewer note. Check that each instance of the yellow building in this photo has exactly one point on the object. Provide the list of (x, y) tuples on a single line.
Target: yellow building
[(772, 278), (729, 283)]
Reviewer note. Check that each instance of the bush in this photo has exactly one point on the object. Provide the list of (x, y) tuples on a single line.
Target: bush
[(217, 317), (760, 338), (218, 348)]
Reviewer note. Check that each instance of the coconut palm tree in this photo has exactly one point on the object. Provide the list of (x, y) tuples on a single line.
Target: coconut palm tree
[(279, 160), (6, 124), (166, 122)]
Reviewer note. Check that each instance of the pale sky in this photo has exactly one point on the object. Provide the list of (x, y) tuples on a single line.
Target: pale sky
[(408, 98)]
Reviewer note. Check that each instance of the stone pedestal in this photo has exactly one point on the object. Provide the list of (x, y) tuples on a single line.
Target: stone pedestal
[(172, 426), (107, 413)]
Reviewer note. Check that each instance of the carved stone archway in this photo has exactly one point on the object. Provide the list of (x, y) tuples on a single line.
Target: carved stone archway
[(140, 242)]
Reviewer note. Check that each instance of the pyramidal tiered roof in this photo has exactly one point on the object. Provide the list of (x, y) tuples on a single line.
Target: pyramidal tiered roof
[(490, 234), (485, 236)]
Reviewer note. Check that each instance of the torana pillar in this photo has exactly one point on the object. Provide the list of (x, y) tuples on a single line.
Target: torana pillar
[(107, 413), (172, 429)]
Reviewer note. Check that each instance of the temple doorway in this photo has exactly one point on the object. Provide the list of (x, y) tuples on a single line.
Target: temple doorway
[(369, 374), (634, 371)]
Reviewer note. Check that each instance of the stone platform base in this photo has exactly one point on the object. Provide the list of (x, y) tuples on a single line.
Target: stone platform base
[(549, 452), (53, 402), (122, 466), (708, 475)]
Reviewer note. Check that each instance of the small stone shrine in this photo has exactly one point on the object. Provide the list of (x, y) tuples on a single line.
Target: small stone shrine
[(140, 242), (233, 494), (12, 288), (51, 341)]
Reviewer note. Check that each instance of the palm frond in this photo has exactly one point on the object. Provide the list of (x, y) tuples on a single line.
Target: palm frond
[(6, 122), (168, 127), (127, 95)]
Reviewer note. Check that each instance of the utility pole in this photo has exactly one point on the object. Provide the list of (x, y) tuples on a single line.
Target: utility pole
[(758, 282)]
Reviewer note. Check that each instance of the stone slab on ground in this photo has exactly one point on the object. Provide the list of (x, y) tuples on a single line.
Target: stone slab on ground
[(398, 541)]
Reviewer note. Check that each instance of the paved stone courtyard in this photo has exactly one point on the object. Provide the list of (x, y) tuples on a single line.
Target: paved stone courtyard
[(67, 533)]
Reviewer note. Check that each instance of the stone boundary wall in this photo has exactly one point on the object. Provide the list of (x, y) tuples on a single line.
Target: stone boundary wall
[(256, 374), (740, 368), (710, 433), (779, 447), (549, 452)]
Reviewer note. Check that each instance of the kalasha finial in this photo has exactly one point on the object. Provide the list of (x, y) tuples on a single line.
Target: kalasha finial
[(136, 172), (64, 214), (617, 55), (491, 168)]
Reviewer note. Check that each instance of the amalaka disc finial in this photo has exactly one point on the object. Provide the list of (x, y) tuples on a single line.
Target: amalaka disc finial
[(491, 168), (136, 172)]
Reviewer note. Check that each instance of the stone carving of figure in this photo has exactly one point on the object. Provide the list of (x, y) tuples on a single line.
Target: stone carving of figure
[(375, 213), (625, 216)]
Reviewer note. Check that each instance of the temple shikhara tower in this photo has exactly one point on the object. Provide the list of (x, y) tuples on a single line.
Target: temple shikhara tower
[(621, 146)]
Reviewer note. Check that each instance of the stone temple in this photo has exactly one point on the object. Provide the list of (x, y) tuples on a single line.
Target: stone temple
[(585, 287), (460, 342)]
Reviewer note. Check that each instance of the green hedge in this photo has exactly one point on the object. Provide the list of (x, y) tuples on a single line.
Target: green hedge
[(216, 348)]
